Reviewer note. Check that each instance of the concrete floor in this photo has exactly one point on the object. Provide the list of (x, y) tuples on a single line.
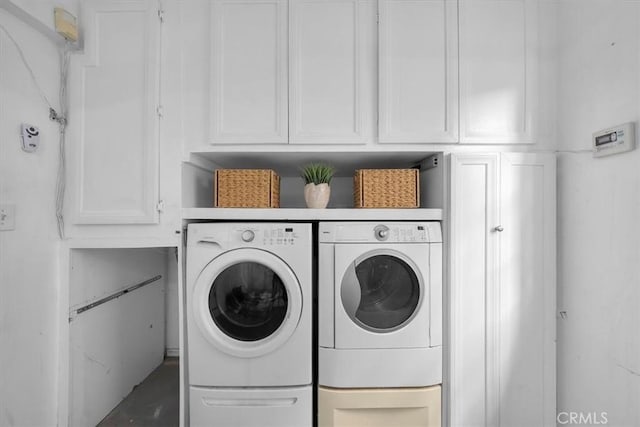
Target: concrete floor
[(153, 403)]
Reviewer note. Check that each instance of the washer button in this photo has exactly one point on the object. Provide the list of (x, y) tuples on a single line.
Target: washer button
[(247, 236)]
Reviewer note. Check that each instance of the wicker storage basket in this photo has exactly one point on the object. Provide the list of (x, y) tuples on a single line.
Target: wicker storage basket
[(386, 188), (246, 188)]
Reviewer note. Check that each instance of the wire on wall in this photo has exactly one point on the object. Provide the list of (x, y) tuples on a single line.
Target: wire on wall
[(61, 177), (60, 118), (573, 151), (26, 64)]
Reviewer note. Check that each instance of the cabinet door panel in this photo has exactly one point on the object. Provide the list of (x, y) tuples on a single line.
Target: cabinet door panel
[(502, 290), (473, 317), (418, 66), (114, 125), (328, 83), (498, 70), (527, 290), (249, 71)]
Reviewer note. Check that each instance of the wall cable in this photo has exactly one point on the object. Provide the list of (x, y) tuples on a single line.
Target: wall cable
[(61, 177), (584, 151), (27, 66), (60, 118)]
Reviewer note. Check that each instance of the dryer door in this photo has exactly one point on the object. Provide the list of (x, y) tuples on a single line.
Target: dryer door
[(247, 302), (382, 296)]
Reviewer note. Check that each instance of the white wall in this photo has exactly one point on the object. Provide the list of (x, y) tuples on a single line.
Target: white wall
[(598, 212), (28, 255)]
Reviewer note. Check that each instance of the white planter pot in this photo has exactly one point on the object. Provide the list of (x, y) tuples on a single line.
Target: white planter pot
[(317, 196)]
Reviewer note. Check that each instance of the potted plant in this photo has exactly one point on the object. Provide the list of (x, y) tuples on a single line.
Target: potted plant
[(317, 177)]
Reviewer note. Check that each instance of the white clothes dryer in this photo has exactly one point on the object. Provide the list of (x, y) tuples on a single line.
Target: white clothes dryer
[(380, 304), (248, 313)]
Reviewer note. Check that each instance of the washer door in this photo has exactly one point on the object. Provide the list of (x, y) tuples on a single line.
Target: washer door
[(381, 292), (247, 302)]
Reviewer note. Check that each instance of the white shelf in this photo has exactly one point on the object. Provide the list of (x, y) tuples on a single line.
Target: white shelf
[(296, 214), (122, 242), (287, 162)]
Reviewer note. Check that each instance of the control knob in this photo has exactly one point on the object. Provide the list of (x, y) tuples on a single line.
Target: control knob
[(381, 232), (247, 236)]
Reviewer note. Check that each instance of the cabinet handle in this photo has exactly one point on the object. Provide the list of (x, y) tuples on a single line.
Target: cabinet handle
[(499, 229)]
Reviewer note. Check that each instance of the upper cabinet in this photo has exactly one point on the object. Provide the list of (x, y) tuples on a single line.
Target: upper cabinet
[(498, 71), (114, 114), (248, 101), (322, 71), (418, 71), (331, 68), (299, 71)]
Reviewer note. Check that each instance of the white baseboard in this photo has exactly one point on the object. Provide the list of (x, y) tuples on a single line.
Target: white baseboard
[(172, 352)]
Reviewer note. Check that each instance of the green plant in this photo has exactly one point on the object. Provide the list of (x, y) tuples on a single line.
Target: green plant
[(317, 173)]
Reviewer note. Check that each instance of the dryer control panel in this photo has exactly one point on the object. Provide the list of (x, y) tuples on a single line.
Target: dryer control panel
[(382, 232)]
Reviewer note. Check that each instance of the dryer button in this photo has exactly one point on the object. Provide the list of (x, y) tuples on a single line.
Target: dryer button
[(381, 232)]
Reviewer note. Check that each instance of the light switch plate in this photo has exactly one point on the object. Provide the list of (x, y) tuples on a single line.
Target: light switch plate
[(7, 217)]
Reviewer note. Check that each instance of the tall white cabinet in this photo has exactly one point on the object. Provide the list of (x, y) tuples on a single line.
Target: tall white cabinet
[(114, 101), (502, 290)]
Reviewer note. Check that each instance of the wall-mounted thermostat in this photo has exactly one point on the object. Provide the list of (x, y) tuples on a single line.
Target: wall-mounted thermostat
[(617, 139)]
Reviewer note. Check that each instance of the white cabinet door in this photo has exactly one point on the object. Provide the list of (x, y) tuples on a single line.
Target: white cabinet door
[(502, 290), (527, 294), (498, 70), (473, 273), (418, 71), (331, 62), (113, 118), (248, 100)]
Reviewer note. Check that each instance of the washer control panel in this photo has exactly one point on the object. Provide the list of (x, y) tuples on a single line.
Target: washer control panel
[(226, 235), (256, 235)]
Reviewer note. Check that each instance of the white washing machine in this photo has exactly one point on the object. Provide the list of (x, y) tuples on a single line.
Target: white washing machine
[(249, 337), (380, 304)]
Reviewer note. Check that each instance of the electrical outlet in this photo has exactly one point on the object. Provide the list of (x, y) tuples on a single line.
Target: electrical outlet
[(7, 217), (430, 162)]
